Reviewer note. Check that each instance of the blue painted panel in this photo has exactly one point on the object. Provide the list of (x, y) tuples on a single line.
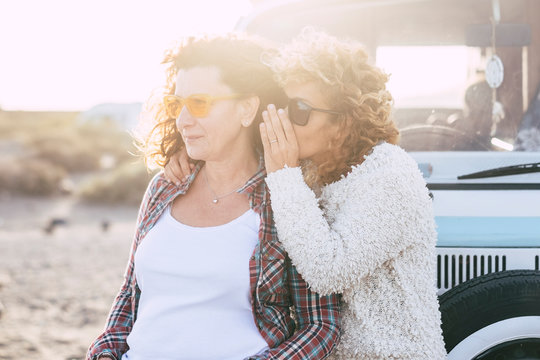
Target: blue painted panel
[(461, 231)]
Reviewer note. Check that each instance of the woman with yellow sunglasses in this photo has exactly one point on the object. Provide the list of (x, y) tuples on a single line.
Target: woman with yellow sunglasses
[(207, 278), (351, 207)]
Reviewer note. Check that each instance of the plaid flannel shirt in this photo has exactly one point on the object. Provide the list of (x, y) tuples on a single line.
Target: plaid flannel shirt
[(276, 286)]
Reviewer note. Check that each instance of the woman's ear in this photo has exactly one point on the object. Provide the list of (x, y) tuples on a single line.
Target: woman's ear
[(248, 109)]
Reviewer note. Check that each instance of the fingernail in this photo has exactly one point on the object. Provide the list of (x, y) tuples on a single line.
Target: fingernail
[(281, 111), (261, 125), (271, 107), (265, 113)]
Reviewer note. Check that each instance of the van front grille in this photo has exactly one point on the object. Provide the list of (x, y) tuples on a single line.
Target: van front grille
[(458, 265), (453, 270)]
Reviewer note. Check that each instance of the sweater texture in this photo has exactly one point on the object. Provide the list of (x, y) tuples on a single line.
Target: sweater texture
[(371, 237)]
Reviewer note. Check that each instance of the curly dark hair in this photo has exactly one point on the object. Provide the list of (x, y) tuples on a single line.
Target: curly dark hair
[(238, 59), (352, 86)]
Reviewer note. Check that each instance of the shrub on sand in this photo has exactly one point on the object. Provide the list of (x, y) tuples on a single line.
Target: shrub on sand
[(79, 149), (60, 139), (72, 154), (30, 176), (124, 185)]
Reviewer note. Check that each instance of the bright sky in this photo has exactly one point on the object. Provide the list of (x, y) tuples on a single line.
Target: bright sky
[(74, 54)]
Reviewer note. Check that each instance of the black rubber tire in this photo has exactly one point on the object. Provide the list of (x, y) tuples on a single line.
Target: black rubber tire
[(487, 299)]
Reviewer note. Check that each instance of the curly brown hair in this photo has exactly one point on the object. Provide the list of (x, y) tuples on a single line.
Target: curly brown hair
[(351, 86), (237, 57)]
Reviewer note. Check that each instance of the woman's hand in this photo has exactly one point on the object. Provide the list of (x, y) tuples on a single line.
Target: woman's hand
[(178, 168), (279, 141)]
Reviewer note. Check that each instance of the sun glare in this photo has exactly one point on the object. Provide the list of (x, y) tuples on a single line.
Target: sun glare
[(71, 55), (413, 70)]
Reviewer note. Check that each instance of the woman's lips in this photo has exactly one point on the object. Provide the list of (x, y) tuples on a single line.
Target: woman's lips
[(191, 138)]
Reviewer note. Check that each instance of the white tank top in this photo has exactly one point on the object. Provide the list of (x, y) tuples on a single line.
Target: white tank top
[(195, 292)]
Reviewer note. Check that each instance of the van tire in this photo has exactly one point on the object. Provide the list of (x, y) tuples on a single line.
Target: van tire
[(486, 300)]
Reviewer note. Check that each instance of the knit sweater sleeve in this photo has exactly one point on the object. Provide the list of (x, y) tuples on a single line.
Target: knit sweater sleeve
[(371, 217)]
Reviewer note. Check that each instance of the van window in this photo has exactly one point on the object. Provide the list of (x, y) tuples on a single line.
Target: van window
[(427, 76)]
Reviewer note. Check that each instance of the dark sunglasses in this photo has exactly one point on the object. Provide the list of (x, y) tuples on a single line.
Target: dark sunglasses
[(299, 111)]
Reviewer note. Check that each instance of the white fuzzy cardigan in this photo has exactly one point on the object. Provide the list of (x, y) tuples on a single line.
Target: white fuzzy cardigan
[(370, 236)]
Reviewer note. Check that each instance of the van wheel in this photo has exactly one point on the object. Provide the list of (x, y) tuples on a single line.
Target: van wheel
[(495, 316)]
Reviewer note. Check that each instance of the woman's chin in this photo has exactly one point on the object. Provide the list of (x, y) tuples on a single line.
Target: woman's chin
[(195, 155)]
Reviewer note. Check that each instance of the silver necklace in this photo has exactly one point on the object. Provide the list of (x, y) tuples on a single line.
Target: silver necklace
[(216, 198)]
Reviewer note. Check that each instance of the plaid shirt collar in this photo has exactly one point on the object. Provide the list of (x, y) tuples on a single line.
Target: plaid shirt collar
[(254, 187)]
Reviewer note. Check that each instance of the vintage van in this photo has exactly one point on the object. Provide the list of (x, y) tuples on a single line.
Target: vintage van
[(465, 75)]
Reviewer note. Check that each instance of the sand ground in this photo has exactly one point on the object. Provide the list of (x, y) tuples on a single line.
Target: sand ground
[(56, 289)]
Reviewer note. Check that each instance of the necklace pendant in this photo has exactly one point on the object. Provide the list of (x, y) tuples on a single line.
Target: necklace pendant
[(215, 201)]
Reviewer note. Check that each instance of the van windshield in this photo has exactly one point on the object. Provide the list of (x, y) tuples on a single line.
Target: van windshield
[(413, 70), (443, 102), (437, 53)]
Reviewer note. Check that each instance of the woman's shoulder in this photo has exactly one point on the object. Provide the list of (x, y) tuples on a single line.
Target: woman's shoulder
[(157, 182), (389, 155), (386, 166), (157, 186), (387, 158)]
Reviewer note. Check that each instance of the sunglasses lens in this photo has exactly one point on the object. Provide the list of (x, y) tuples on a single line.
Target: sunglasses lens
[(174, 106), (198, 106), (299, 112)]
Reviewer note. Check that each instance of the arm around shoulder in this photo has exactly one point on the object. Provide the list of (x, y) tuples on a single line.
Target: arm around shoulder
[(371, 217)]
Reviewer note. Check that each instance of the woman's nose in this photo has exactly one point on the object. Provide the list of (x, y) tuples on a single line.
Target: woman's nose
[(185, 119)]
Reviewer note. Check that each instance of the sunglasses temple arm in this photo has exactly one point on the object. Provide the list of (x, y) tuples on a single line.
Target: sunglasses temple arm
[(327, 111)]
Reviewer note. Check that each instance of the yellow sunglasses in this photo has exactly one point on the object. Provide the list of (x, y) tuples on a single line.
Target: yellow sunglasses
[(198, 105)]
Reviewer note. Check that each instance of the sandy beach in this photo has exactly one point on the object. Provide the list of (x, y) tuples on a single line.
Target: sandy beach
[(56, 288)]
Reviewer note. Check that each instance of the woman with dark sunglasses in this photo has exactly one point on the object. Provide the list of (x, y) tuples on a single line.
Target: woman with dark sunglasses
[(207, 278), (350, 206)]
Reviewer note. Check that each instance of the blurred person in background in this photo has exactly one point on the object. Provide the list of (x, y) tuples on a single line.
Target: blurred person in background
[(478, 121), (207, 278), (351, 207)]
